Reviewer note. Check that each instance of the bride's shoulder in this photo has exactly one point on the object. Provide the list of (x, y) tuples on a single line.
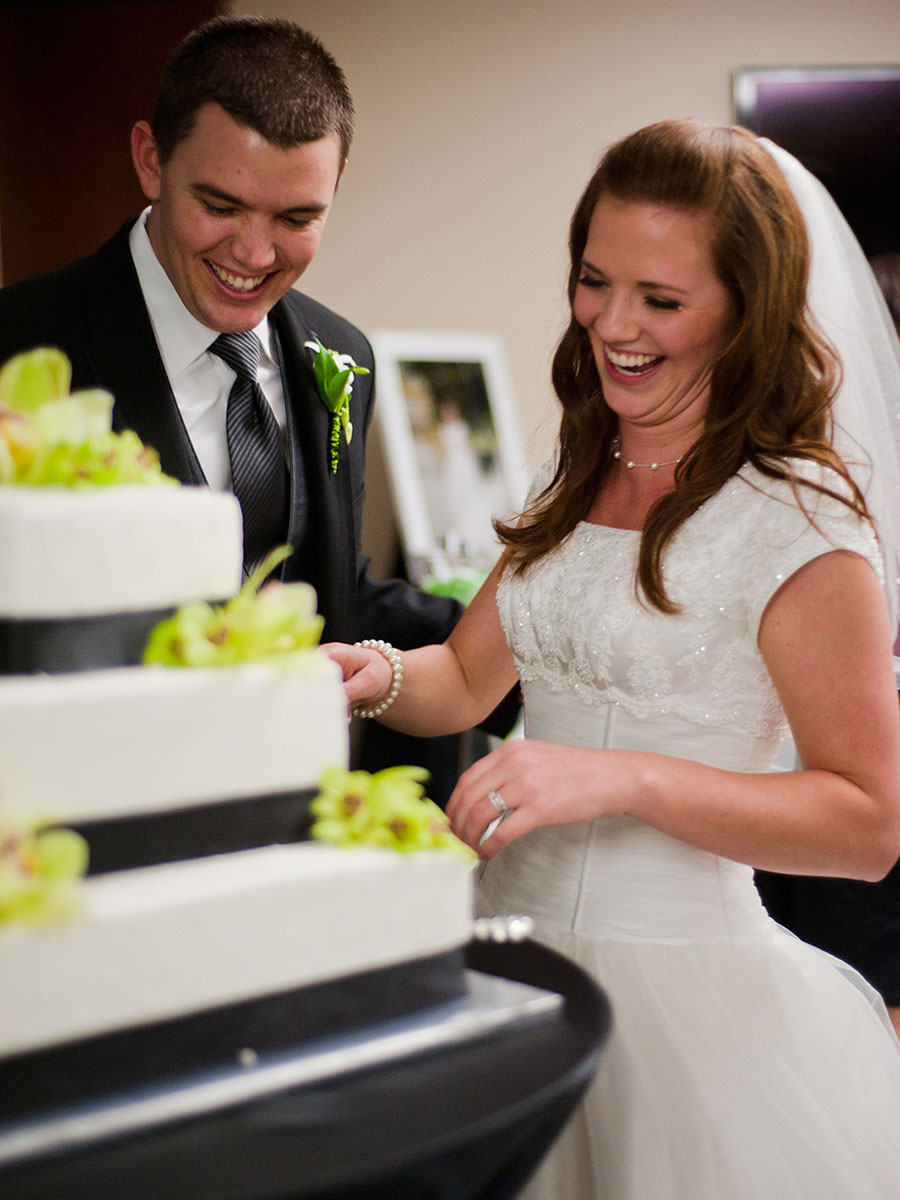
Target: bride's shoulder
[(541, 479), (813, 504), (805, 470), (808, 486)]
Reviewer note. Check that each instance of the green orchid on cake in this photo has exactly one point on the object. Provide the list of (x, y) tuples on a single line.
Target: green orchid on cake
[(40, 869), (276, 624), (388, 809), (51, 436)]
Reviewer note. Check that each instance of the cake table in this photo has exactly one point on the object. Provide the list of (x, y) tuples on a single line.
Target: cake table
[(455, 1098)]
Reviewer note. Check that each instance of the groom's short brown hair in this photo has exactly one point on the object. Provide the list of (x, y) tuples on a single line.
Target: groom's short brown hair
[(269, 75)]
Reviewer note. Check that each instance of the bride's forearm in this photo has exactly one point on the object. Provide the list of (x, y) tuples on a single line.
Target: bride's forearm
[(813, 822)]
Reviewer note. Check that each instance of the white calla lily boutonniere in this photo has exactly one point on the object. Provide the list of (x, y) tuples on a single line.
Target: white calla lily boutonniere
[(334, 374)]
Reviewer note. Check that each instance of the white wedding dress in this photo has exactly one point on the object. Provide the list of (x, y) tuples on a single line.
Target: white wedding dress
[(743, 1063)]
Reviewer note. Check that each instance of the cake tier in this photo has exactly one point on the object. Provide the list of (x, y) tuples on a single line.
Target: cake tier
[(167, 941), (117, 743), (69, 553), (50, 1084)]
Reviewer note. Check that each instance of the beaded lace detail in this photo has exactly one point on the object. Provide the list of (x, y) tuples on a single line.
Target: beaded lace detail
[(575, 624)]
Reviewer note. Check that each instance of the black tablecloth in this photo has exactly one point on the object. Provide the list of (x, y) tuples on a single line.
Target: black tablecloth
[(412, 1114)]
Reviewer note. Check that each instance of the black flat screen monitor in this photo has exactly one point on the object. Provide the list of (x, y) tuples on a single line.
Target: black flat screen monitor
[(843, 124)]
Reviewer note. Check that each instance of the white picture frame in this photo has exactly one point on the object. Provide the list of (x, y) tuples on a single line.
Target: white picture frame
[(452, 444)]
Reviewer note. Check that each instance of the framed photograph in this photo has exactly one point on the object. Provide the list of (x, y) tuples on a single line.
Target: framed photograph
[(452, 445), (843, 124)]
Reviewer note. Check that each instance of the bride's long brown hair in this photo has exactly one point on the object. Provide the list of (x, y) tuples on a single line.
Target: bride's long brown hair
[(771, 387)]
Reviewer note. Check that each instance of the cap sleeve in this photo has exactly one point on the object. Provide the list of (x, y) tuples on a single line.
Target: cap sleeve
[(780, 537)]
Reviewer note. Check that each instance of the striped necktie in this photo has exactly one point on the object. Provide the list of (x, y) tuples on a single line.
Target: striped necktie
[(258, 471)]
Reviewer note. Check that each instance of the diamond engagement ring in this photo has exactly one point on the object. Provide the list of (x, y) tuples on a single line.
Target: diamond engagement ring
[(498, 802)]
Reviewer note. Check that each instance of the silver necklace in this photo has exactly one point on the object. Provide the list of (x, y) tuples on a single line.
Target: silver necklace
[(627, 462)]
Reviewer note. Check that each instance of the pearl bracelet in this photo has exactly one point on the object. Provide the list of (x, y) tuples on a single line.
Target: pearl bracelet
[(393, 657)]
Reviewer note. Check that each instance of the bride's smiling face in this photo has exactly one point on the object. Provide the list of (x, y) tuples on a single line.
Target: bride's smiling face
[(656, 313)]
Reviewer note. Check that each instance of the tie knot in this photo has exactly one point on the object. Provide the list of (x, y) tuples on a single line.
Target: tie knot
[(240, 351)]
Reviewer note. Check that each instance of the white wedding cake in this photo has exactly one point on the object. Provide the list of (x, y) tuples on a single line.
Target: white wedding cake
[(189, 785)]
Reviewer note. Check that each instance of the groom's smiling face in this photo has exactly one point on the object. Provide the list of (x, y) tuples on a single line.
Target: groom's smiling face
[(235, 220)]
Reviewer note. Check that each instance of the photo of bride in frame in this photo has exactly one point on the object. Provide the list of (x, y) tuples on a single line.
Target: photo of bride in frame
[(452, 445)]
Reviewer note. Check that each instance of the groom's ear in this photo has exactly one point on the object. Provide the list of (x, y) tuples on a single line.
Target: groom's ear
[(145, 158)]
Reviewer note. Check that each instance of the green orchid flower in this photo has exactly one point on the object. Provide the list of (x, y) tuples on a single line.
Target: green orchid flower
[(39, 873), (51, 437), (276, 624), (388, 809), (29, 380)]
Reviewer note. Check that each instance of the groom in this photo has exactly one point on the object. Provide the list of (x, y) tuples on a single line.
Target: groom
[(240, 165)]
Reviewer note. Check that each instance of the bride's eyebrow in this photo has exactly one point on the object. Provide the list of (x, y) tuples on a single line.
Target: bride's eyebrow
[(651, 286)]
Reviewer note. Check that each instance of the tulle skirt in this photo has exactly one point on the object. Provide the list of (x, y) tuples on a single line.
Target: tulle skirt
[(749, 1069)]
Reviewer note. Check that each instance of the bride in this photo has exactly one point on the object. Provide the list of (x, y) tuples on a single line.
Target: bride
[(709, 564)]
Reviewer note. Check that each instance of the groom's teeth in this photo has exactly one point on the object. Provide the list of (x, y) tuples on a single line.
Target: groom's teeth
[(630, 361), (241, 283)]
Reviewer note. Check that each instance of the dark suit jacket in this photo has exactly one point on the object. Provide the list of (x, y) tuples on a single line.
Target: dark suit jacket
[(94, 311), (856, 921)]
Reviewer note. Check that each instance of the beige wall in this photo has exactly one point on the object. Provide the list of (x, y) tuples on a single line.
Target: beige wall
[(479, 122)]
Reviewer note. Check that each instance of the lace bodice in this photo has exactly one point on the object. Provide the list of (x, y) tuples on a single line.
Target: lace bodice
[(602, 670), (575, 624)]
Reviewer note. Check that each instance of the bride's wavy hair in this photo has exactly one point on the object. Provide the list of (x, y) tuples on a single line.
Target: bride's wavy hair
[(771, 386)]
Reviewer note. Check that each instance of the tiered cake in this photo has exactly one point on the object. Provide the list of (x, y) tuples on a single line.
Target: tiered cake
[(190, 786)]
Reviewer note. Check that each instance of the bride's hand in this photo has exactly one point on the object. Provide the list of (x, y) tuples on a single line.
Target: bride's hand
[(367, 673), (540, 783)]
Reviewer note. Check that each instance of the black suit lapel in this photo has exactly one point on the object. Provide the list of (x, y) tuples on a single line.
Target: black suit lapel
[(125, 358), (328, 558)]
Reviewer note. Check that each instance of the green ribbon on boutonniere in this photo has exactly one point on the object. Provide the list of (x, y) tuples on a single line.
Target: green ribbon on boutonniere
[(334, 378)]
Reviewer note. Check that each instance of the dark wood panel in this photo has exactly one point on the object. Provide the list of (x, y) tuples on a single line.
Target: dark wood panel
[(74, 77)]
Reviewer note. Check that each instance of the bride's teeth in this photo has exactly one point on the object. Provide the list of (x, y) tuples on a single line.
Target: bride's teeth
[(630, 360), (239, 282)]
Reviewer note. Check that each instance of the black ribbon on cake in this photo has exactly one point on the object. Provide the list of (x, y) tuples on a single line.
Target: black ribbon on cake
[(60, 645), (120, 843), (148, 1057)]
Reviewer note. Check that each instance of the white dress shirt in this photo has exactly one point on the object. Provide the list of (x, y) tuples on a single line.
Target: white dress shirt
[(200, 380)]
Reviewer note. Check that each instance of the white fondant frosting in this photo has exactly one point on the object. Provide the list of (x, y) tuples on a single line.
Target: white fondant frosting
[(71, 553), (146, 739), (172, 940)]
